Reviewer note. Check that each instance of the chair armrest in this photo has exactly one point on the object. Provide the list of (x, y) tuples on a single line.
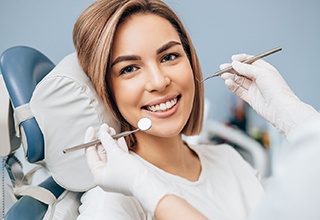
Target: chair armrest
[(29, 208)]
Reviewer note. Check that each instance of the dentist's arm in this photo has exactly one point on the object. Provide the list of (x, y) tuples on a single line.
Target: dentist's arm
[(262, 87), (293, 192)]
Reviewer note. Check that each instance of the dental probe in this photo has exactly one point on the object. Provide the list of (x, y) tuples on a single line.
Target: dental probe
[(249, 61), (144, 124)]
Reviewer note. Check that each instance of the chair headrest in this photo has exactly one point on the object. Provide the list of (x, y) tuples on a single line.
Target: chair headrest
[(65, 104)]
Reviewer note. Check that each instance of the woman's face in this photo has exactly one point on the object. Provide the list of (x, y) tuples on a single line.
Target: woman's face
[(151, 75)]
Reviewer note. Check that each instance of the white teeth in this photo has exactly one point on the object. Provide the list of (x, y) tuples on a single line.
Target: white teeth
[(163, 106), (168, 104)]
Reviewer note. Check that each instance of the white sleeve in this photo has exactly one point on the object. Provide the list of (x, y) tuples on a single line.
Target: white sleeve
[(99, 205), (294, 191)]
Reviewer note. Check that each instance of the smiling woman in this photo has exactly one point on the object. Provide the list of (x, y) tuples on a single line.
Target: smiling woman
[(142, 62), (92, 39)]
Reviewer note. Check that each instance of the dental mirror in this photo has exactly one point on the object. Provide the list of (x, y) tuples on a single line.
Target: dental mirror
[(144, 124)]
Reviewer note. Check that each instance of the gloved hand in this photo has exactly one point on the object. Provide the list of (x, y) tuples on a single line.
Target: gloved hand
[(116, 170), (264, 89)]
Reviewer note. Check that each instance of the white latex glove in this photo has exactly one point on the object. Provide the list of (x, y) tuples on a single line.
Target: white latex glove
[(115, 170), (264, 89)]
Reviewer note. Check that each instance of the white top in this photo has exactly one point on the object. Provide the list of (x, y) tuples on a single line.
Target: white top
[(227, 188)]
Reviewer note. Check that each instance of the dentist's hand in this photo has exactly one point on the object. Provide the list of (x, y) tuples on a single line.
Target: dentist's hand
[(116, 170), (103, 163), (262, 87)]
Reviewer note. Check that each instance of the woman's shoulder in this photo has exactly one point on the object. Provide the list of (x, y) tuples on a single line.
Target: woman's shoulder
[(222, 154), (222, 150)]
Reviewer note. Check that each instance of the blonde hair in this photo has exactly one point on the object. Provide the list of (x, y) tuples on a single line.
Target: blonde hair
[(93, 36)]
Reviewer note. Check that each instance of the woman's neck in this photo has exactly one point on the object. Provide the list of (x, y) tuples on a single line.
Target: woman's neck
[(171, 155)]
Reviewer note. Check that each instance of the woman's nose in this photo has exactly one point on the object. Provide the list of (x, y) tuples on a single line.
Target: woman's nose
[(158, 80)]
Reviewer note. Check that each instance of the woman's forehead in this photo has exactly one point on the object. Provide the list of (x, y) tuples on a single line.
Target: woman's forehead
[(143, 31)]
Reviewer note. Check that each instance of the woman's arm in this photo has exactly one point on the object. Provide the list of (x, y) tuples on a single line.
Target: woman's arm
[(174, 207)]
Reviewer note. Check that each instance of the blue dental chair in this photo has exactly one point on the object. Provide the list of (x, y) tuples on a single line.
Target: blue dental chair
[(22, 68)]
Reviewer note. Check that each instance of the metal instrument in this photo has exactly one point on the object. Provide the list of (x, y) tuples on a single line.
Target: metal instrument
[(249, 61), (144, 124)]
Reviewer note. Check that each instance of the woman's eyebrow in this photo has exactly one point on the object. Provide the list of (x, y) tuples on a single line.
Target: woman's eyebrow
[(167, 46), (125, 58), (136, 57)]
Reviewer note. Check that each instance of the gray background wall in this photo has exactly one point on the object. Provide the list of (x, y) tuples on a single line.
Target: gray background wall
[(219, 28)]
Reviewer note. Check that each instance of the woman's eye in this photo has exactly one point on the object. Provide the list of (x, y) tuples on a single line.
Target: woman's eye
[(128, 69), (169, 57)]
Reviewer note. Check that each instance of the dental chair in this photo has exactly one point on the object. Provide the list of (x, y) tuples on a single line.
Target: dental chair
[(29, 67), (49, 108)]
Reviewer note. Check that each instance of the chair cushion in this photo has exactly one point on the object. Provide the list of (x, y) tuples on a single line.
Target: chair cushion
[(65, 104)]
